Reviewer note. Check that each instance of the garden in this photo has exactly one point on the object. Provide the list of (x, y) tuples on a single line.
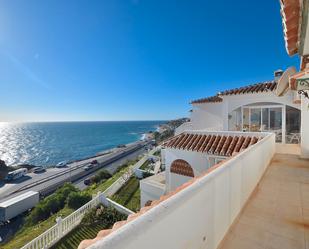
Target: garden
[(129, 195)]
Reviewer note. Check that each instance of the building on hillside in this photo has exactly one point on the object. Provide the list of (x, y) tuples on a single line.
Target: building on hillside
[(259, 107), (229, 151)]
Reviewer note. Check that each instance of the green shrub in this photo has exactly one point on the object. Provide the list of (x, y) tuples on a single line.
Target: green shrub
[(105, 216), (51, 204), (102, 175), (77, 199)]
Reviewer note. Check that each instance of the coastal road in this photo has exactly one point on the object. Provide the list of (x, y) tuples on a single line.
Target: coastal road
[(54, 177)]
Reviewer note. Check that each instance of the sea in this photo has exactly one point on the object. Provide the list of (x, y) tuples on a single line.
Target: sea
[(46, 144)]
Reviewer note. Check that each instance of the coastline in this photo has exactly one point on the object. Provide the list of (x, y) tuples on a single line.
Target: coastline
[(69, 142)]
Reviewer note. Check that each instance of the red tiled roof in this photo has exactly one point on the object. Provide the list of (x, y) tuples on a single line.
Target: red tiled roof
[(255, 88), (223, 145), (212, 99), (290, 12)]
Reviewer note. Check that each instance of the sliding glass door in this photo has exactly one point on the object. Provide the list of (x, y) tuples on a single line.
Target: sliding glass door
[(275, 122), (265, 119)]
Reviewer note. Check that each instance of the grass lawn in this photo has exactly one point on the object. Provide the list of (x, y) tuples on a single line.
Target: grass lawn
[(104, 185), (72, 239), (92, 223), (28, 233), (129, 195), (145, 165)]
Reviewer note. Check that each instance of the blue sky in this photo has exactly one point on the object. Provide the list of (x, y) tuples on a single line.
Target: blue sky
[(131, 59)]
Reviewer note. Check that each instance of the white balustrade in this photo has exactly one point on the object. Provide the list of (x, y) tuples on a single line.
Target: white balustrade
[(64, 225)]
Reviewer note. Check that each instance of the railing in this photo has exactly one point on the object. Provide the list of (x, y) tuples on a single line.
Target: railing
[(65, 225), (199, 215)]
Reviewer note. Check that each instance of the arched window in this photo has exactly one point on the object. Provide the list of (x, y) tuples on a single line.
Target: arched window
[(181, 167)]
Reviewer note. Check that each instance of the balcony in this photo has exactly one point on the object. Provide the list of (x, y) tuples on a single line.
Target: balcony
[(277, 213)]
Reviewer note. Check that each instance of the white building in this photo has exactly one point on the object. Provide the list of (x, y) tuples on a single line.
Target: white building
[(257, 108), (253, 110), (225, 184)]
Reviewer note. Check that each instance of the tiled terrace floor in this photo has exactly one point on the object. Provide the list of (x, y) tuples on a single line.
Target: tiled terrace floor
[(277, 214)]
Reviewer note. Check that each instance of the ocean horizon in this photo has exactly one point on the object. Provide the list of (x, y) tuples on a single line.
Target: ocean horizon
[(48, 143)]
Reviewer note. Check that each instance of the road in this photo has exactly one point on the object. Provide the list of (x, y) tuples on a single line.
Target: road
[(54, 177)]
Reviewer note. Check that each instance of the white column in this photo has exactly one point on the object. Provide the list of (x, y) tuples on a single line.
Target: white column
[(283, 123), (304, 127), (59, 225)]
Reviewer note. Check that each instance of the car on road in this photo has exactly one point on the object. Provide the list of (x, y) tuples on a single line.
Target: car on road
[(87, 181), (93, 162), (61, 164), (16, 174), (88, 167), (38, 170)]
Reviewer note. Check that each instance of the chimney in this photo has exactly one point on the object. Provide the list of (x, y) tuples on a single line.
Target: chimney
[(277, 74)]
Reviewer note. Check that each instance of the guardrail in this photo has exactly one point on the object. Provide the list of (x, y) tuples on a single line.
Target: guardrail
[(65, 225)]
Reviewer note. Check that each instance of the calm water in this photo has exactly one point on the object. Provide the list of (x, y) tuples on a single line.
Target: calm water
[(50, 143)]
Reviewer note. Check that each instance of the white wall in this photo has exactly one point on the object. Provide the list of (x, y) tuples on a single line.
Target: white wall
[(207, 116), (184, 127), (235, 101), (198, 162), (214, 116), (305, 127), (151, 190), (200, 215)]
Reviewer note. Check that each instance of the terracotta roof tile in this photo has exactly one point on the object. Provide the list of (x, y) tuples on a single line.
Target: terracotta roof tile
[(213, 99), (223, 145), (255, 88), (232, 145), (291, 12)]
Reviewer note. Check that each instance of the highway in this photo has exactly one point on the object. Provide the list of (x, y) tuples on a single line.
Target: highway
[(53, 178)]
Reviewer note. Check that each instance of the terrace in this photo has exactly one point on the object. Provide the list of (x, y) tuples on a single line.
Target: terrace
[(277, 213)]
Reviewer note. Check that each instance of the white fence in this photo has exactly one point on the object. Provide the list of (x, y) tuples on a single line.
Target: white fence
[(200, 215), (64, 226)]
